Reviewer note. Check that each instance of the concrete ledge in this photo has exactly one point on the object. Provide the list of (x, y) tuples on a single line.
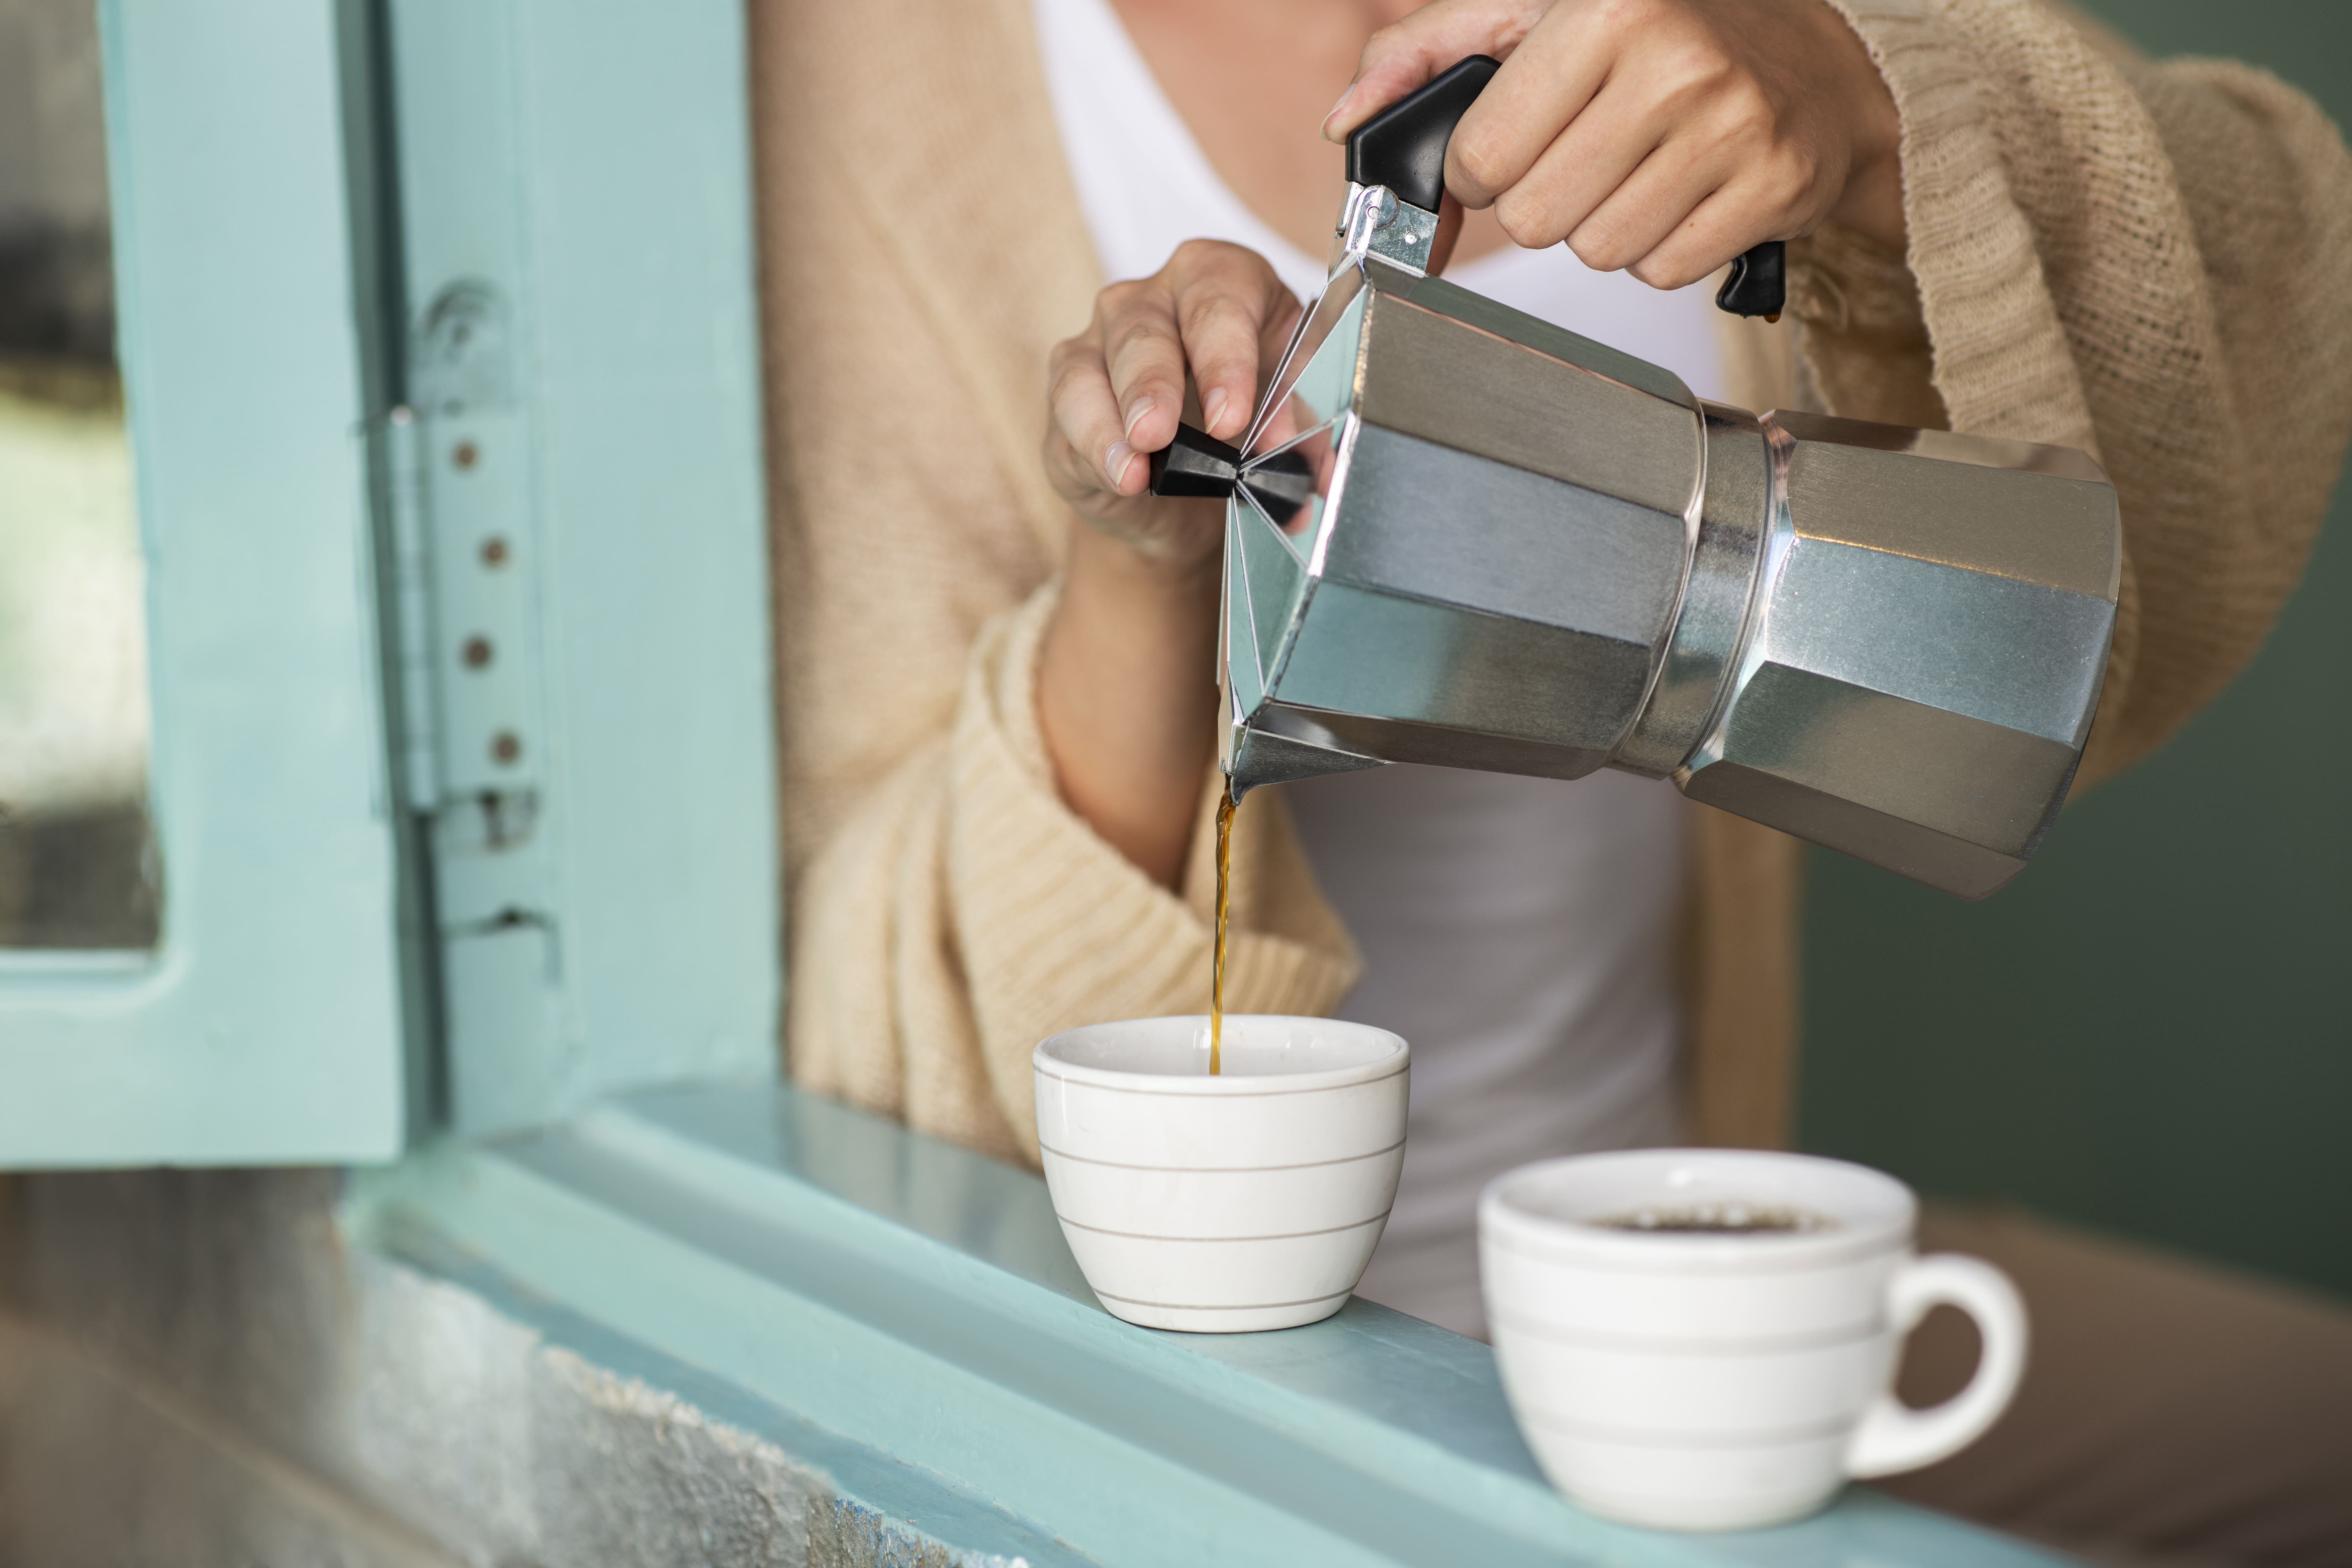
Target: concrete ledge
[(195, 1369)]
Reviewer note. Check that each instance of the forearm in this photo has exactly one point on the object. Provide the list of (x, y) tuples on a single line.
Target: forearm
[(958, 914), (1127, 697), (1871, 202)]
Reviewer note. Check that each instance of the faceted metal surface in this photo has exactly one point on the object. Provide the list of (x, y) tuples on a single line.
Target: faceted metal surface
[(1499, 541), (1503, 546), (1923, 656), (1716, 594)]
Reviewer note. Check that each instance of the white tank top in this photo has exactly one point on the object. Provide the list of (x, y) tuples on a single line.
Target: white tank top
[(1518, 931)]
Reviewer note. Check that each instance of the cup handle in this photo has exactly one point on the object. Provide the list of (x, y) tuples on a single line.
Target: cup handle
[(1893, 1437)]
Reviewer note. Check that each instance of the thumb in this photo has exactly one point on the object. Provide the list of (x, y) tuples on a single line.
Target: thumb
[(1406, 55), (1449, 229)]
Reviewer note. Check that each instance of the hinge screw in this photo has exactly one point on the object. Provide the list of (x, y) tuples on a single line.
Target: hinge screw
[(494, 551), (476, 652), (506, 748), (465, 455)]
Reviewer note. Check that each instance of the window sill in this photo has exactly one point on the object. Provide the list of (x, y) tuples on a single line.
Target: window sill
[(908, 1311)]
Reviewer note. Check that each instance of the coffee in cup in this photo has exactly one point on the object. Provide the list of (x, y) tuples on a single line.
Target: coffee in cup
[(1706, 1339), (1224, 1203)]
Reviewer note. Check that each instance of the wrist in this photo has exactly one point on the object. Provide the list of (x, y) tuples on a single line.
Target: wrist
[(1127, 696), (1160, 583), (1872, 202)]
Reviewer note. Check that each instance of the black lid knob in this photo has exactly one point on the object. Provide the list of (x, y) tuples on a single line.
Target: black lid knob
[(1195, 464)]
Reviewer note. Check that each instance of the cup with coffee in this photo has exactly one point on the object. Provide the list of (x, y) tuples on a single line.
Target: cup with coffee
[(1707, 1339), (1244, 1199)]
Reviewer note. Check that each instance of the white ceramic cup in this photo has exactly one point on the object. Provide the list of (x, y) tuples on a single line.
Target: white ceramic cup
[(1250, 1200), (1708, 1381)]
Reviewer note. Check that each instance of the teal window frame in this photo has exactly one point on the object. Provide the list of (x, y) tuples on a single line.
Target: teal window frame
[(405, 889), (573, 191), (267, 1025), (547, 976)]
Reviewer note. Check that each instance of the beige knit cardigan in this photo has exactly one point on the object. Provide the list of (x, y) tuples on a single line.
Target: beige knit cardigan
[(2149, 262)]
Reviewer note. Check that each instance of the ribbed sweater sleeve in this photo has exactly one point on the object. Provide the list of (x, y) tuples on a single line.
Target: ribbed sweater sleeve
[(961, 913), (2142, 260)]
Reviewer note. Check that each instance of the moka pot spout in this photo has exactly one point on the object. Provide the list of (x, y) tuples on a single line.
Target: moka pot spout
[(1259, 743), (1255, 752)]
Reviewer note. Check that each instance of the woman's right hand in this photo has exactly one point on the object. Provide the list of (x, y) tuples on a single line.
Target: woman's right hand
[(1215, 312)]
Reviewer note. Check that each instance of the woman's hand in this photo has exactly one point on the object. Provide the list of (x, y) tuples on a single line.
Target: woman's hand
[(1215, 313), (1127, 677), (1663, 137)]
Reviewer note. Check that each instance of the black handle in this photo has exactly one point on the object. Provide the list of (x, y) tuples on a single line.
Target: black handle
[(1404, 148), (1759, 282)]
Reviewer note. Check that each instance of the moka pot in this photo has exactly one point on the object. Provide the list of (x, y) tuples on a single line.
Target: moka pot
[(1459, 535)]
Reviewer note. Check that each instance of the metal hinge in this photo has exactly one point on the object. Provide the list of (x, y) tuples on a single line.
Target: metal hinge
[(463, 558), (467, 570), (465, 563), (479, 525), (419, 733)]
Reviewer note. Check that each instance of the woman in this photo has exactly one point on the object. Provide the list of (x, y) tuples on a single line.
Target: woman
[(997, 718)]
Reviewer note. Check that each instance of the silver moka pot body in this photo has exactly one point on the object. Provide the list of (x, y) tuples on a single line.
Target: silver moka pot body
[(1460, 535)]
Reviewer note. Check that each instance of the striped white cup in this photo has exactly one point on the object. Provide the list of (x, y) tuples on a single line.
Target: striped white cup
[(1250, 1200), (1695, 1380)]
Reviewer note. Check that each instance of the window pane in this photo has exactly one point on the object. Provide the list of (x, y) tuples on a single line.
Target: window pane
[(77, 862)]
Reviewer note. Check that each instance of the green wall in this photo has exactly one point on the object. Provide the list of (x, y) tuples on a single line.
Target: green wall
[(2151, 1030)]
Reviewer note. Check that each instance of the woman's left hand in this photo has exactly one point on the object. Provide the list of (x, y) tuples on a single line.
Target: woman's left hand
[(1663, 137)]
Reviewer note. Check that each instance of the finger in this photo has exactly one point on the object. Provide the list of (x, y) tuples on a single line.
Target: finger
[(1727, 223), (1281, 422), (1648, 207), (1086, 418), (1548, 81), (1406, 53), (1143, 361), (1271, 345), (1275, 338), (1596, 152), (1449, 229), (1075, 477), (1226, 298)]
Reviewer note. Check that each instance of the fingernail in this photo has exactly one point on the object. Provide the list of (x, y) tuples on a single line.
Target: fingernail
[(1340, 105), (1143, 405), (1213, 405), (1115, 462)]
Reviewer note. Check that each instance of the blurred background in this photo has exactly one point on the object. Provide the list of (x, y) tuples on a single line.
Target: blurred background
[(76, 859), (2149, 1032)]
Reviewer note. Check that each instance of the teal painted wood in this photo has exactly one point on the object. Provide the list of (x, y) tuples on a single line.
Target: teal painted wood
[(266, 1027), (577, 180), (915, 1300)]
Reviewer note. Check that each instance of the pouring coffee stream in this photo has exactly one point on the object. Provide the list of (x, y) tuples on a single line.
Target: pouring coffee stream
[(1457, 534), (1231, 803)]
